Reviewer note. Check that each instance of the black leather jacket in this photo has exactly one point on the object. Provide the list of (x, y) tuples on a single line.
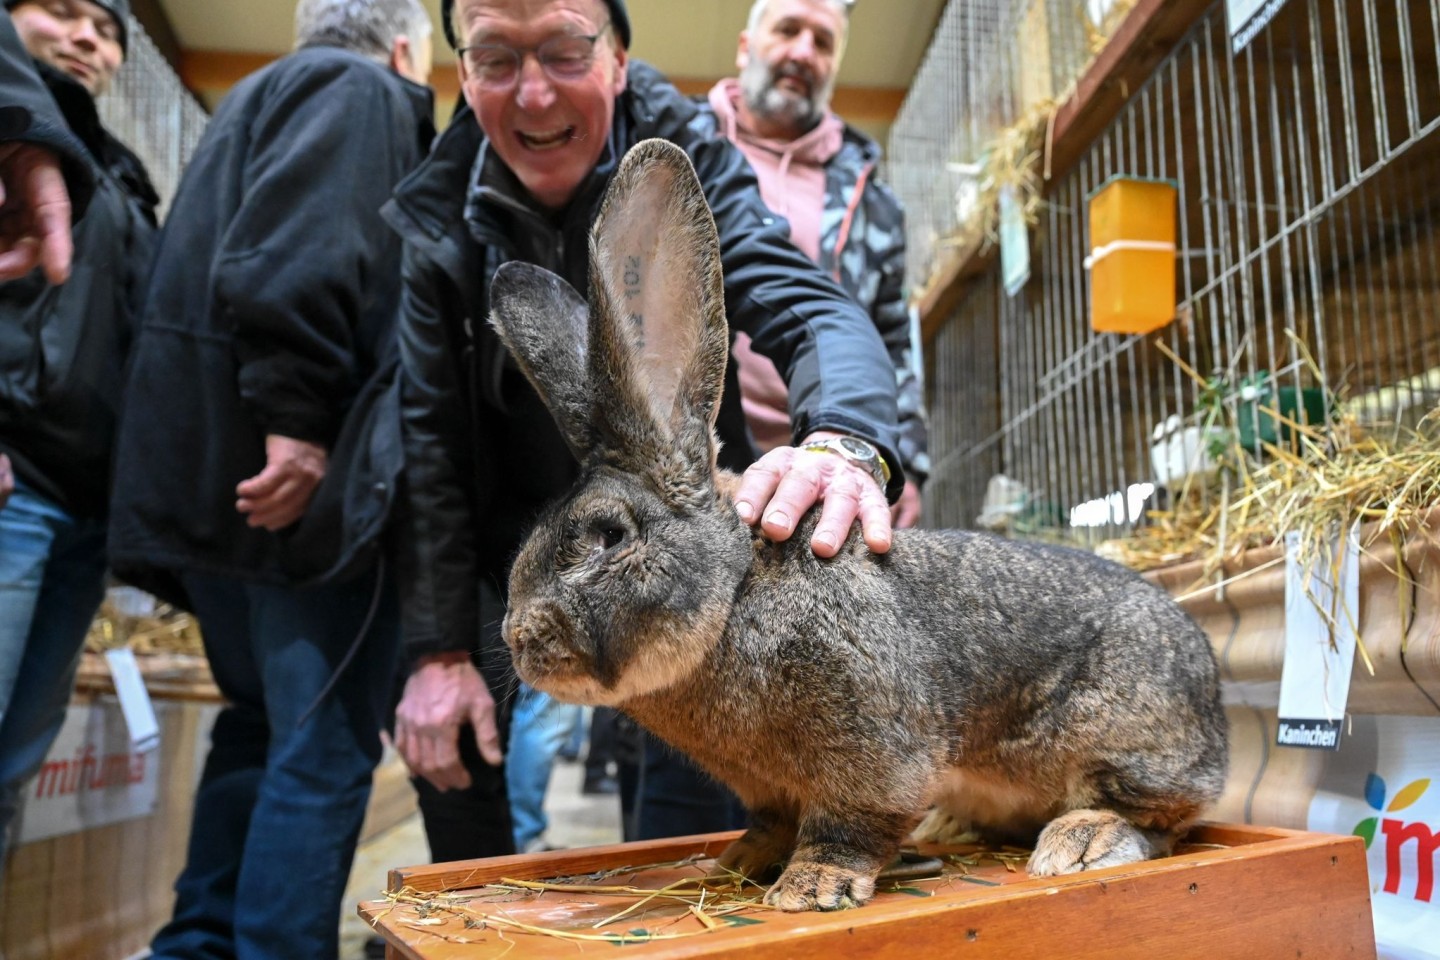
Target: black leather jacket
[(482, 454)]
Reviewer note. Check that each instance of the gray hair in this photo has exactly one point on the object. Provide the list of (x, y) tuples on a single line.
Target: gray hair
[(757, 10), (366, 27)]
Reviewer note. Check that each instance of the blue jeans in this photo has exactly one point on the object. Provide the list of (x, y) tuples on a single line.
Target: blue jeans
[(52, 578), (285, 786), (540, 726)]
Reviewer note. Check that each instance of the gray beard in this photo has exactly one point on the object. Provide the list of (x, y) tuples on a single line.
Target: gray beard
[(766, 100)]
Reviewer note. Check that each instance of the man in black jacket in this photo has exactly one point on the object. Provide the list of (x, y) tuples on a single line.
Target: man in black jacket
[(44, 170), (62, 352), (260, 450), (558, 103)]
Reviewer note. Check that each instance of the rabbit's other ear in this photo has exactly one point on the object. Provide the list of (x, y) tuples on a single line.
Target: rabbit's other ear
[(659, 340), (545, 325)]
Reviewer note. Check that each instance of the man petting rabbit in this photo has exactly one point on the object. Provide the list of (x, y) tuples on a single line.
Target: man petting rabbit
[(554, 102)]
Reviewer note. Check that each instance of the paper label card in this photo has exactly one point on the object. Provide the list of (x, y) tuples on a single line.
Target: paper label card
[(1246, 18), (1322, 609), (134, 699), (1014, 242)]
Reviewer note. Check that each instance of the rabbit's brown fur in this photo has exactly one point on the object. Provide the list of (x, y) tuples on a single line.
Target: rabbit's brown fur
[(1020, 689)]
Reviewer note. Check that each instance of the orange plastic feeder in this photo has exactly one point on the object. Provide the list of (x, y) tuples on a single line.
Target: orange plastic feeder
[(1132, 255)]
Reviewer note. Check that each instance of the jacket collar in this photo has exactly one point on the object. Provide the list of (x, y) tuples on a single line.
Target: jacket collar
[(108, 154), (77, 106)]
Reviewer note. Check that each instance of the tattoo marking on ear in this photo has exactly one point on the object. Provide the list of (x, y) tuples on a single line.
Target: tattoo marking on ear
[(632, 276), (633, 289)]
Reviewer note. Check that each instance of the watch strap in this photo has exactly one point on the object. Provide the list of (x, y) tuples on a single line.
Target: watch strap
[(878, 468)]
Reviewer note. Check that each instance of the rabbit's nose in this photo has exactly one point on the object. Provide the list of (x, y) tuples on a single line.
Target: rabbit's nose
[(529, 629), (515, 635)]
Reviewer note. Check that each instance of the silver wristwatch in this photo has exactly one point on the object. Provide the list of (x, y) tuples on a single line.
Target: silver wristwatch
[(857, 451)]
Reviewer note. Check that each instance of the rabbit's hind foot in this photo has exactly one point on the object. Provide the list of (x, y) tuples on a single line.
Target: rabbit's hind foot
[(820, 886), (943, 828), (759, 853), (1091, 840)]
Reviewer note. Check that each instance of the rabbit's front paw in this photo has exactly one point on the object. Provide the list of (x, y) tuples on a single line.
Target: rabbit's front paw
[(820, 886), (1087, 840)]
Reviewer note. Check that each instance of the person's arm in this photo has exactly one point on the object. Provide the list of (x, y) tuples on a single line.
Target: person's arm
[(7, 480), (891, 314), (434, 536), (295, 267), (46, 177), (836, 368)]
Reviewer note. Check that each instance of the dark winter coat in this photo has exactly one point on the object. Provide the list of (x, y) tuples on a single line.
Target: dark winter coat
[(272, 311), (63, 348), (482, 453), (28, 113)]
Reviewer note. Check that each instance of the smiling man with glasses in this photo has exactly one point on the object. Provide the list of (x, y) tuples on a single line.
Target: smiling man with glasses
[(564, 58), (558, 101)]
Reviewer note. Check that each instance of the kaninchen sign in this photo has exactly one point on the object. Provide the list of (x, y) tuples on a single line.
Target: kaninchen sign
[(1324, 734), (91, 777), (1246, 18)]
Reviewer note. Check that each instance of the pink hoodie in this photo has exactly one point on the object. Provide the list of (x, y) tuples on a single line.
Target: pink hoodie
[(792, 183)]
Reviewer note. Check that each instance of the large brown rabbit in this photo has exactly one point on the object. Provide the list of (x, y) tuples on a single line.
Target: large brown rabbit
[(1017, 688)]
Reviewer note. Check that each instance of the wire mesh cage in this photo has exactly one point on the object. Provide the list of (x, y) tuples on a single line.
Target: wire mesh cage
[(152, 113), (990, 62), (1306, 265)]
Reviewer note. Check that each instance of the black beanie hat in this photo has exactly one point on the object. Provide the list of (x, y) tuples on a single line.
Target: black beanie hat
[(619, 19), (119, 9)]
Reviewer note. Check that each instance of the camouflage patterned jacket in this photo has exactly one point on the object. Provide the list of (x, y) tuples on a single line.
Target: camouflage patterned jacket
[(862, 245)]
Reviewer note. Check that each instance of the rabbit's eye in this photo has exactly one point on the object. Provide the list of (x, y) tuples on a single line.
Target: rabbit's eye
[(611, 534)]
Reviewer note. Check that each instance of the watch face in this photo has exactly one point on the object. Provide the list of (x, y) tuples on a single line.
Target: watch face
[(858, 449)]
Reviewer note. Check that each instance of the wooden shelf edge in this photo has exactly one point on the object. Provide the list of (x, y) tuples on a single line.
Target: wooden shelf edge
[(1188, 575)]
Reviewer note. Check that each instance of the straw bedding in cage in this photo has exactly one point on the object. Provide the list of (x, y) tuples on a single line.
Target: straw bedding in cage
[(1323, 479), (163, 630)]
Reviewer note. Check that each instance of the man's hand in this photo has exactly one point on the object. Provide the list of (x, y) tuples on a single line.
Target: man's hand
[(442, 693), (34, 213), (778, 488), (278, 495), (906, 512), (7, 480)]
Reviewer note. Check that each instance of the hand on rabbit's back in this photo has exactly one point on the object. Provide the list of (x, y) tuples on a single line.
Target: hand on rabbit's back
[(1003, 686)]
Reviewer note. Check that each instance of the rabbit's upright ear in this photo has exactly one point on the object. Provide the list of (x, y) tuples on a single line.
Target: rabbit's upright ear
[(659, 340), (545, 325)]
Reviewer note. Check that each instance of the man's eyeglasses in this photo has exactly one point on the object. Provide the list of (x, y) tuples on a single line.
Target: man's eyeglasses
[(564, 57)]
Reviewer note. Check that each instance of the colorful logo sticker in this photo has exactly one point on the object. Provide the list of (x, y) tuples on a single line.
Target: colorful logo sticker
[(1398, 833)]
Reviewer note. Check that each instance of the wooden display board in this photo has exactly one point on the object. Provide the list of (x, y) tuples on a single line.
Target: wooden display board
[(1230, 891), (99, 893)]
